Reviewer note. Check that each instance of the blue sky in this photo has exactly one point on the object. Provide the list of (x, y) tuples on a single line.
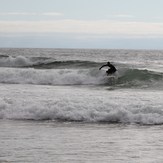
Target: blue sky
[(129, 24)]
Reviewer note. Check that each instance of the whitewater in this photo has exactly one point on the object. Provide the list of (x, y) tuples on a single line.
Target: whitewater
[(60, 102)]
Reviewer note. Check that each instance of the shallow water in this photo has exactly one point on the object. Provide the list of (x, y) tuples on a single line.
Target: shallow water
[(29, 141)]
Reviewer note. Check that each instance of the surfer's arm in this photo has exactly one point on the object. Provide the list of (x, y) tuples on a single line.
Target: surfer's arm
[(102, 67)]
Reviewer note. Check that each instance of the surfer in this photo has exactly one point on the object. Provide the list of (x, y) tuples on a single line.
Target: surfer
[(111, 69)]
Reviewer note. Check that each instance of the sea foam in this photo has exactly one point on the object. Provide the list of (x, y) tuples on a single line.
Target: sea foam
[(52, 77), (83, 106)]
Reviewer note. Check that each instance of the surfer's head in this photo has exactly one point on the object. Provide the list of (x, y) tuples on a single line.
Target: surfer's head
[(108, 63)]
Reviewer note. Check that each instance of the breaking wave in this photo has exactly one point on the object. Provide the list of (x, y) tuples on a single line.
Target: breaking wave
[(87, 108), (48, 71), (129, 77)]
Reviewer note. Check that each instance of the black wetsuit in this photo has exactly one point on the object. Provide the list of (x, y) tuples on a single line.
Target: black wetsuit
[(111, 70)]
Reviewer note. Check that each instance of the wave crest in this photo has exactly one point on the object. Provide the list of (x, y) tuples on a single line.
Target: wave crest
[(133, 77), (21, 61)]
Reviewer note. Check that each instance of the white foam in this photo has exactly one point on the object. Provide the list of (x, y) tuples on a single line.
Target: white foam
[(66, 104), (15, 61), (52, 77)]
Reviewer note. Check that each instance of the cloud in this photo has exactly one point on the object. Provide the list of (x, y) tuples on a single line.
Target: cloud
[(102, 28), (123, 16), (16, 13), (52, 14), (30, 14)]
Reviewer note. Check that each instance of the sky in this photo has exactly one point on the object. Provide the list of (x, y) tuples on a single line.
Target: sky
[(108, 24)]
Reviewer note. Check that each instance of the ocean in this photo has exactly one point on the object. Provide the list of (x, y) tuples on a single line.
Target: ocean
[(57, 106)]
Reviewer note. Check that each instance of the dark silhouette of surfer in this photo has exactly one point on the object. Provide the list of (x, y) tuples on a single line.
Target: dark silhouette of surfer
[(111, 69)]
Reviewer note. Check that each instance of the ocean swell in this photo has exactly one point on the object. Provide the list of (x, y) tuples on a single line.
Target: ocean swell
[(43, 62), (138, 77)]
